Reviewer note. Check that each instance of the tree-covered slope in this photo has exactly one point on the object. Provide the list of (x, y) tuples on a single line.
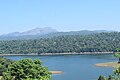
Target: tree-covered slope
[(99, 42)]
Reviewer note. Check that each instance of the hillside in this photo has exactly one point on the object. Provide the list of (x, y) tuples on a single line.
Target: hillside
[(100, 42)]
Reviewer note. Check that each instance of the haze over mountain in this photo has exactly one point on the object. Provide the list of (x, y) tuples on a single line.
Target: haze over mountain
[(36, 31), (46, 32)]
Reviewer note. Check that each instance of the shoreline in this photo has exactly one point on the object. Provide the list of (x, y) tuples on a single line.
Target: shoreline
[(56, 72), (52, 54), (108, 64)]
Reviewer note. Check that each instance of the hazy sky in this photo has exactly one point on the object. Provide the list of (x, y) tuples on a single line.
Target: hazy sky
[(63, 15)]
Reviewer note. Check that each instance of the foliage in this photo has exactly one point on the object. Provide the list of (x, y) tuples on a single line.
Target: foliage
[(116, 72), (101, 78), (4, 62), (102, 42), (116, 76), (27, 69), (117, 54)]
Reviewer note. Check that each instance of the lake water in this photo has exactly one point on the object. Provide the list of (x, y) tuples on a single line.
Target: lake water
[(74, 67)]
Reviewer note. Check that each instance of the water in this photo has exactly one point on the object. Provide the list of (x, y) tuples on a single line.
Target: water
[(74, 67)]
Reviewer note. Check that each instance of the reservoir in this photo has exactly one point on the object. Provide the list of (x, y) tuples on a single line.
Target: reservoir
[(74, 67)]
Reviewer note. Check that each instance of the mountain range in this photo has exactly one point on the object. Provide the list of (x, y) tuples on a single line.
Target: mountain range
[(45, 33), (36, 31)]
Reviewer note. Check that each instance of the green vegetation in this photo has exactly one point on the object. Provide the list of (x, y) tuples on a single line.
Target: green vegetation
[(26, 69), (101, 78), (118, 56), (111, 64), (4, 63), (116, 76), (0, 77), (102, 42)]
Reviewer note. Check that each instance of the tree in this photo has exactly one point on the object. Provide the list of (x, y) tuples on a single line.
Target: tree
[(118, 56), (116, 76), (4, 62), (27, 69), (111, 77), (101, 78), (117, 72)]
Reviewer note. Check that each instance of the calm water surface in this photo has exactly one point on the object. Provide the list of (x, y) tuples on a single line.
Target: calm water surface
[(74, 67)]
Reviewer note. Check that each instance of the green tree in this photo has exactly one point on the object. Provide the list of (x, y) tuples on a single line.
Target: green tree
[(117, 73), (110, 77), (27, 69), (4, 62), (101, 78), (118, 56)]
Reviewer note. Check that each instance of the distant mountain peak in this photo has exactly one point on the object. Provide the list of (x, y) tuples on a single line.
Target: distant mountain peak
[(47, 32), (39, 31), (35, 31)]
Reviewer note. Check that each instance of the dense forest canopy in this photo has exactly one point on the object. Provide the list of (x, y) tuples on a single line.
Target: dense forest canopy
[(99, 42)]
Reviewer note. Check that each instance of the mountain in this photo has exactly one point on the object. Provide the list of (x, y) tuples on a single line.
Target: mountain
[(11, 34), (36, 31), (82, 32), (47, 32)]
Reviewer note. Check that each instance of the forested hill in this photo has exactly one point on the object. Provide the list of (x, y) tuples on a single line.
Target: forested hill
[(100, 42)]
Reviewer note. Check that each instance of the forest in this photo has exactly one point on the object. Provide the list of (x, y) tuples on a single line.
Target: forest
[(97, 42)]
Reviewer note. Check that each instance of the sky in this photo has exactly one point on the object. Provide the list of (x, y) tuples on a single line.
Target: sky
[(63, 15)]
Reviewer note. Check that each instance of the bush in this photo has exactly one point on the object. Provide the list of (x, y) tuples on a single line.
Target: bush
[(4, 62), (27, 69)]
